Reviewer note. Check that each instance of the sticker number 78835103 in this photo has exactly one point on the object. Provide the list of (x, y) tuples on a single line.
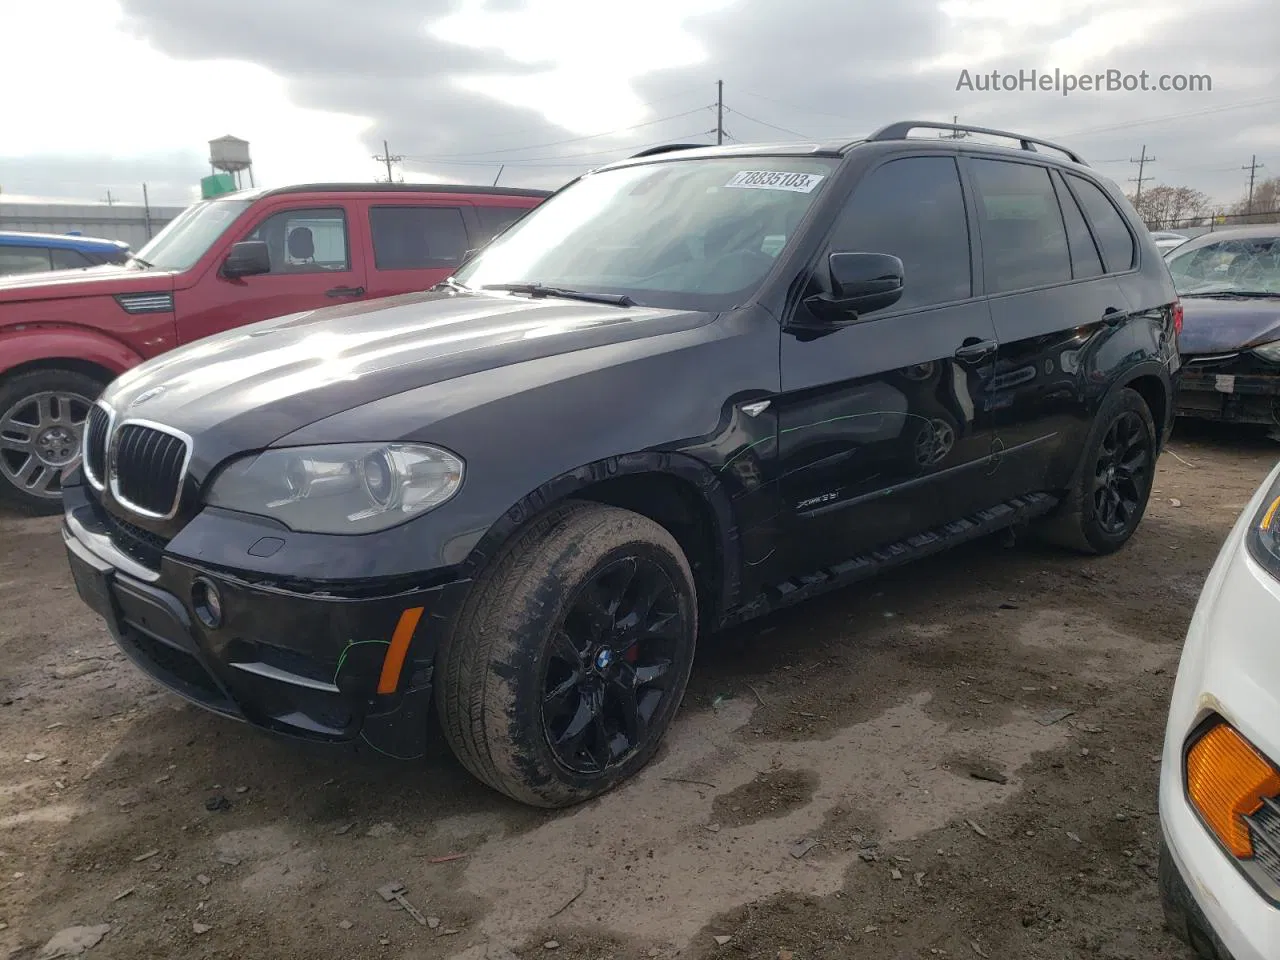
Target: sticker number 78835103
[(775, 180)]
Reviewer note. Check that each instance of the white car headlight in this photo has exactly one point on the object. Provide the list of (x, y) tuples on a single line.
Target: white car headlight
[(344, 488), (1269, 351)]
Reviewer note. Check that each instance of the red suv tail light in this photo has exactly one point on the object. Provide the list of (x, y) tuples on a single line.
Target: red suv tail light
[(1177, 317)]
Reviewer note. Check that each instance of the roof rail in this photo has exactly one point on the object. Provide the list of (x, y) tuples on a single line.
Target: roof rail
[(668, 148), (900, 130)]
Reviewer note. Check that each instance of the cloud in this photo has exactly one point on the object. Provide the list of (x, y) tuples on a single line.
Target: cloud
[(548, 88)]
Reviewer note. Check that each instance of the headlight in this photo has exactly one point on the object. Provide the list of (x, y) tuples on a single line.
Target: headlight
[(342, 488), (1263, 538), (1269, 351)]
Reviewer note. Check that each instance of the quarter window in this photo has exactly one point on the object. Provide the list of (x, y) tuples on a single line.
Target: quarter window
[(914, 210), (417, 238), (306, 241), (1085, 261), (1118, 248), (1024, 241)]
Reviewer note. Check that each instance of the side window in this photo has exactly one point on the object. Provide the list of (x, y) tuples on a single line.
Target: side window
[(69, 259), (493, 220), (417, 238), (913, 209), (15, 260), (1085, 261), (306, 241), (1024, 241), (1118, 248)]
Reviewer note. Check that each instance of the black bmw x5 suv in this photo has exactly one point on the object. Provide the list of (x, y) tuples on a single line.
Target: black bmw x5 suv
[(689, 388)]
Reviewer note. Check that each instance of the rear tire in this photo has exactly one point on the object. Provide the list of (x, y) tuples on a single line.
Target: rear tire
[(1109, 496), (569, 656), (42, 416)]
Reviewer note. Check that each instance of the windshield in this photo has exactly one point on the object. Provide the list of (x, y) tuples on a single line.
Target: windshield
[(688, 234), (184, 241), (1244, 266)]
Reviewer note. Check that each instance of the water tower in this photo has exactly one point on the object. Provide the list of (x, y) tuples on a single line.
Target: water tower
[(231, 155)]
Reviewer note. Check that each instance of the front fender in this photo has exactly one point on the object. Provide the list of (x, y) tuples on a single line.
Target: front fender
[(35, 344), (693, 472)]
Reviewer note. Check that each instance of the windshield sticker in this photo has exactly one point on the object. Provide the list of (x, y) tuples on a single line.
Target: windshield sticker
[(775, 180)]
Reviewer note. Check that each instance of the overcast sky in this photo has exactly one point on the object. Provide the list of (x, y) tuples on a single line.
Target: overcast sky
[(105, 94)]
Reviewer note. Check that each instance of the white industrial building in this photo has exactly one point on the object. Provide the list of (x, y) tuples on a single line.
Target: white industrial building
[(132, 223)]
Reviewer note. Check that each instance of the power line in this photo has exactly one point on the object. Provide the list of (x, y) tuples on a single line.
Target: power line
[(1244, 104), (771, 126), (1142, 165)]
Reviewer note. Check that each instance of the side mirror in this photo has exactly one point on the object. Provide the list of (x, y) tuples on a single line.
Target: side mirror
[(248, 258), (862, 282)]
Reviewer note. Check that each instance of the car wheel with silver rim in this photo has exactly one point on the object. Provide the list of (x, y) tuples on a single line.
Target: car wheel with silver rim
[(42, 418)]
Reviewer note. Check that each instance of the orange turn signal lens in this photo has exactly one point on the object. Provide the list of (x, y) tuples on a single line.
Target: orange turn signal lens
[(1269, 517), (393, 663), (1227, 780)]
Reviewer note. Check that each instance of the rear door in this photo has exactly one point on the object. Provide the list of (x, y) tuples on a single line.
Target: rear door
[(317, 260), (1051, 299), (415, 245), (884, 428)]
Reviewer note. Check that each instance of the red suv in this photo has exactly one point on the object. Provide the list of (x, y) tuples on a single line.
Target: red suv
[(225, 262)]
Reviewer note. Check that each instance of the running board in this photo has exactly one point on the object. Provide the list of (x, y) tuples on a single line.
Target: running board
[(867, 565)]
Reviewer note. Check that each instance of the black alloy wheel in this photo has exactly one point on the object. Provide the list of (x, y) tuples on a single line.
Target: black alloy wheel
[(1122, 474), (609, 665)]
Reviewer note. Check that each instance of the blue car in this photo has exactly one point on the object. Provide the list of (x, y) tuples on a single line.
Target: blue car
[(41, 252)]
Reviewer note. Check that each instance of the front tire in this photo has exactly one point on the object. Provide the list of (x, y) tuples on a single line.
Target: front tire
[(1113, 484), (42, 416), (570, 655)]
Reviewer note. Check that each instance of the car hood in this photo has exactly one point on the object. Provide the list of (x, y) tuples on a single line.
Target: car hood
[(246, 388), (1211, 325), (108, 279)]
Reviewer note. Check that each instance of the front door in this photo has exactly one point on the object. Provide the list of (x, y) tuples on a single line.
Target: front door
[(316, 261), (884, 429)]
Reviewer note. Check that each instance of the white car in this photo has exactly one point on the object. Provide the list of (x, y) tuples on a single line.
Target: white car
[(1166, 241), (1220, 778)]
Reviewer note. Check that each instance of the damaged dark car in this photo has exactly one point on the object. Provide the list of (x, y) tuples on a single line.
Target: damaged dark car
[(1229, 282), (689, 388)]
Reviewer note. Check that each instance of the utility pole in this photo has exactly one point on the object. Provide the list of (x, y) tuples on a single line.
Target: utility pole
[(1142, 162), (719, 111), (1253, 167), (110, 199), (146, 210), (955, 134), (388, 159)]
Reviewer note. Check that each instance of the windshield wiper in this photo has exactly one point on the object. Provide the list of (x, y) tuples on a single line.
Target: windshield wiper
[(538, 290), (1242, 294), (137, 259)]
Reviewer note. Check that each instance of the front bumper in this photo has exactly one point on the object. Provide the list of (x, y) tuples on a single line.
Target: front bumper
[(1230, 667), (301, 659), (1220, 394)]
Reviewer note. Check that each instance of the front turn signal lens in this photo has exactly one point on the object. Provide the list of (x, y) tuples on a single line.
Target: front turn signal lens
[(1227, 780)]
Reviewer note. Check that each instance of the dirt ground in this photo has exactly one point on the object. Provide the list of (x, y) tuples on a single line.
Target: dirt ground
[(885, 772)]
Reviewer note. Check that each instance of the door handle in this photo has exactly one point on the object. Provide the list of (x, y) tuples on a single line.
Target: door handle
[(973, 350), (345, 292)]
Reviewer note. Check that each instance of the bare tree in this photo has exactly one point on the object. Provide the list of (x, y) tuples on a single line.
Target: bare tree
[(1265, 207), (1164, 206)]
